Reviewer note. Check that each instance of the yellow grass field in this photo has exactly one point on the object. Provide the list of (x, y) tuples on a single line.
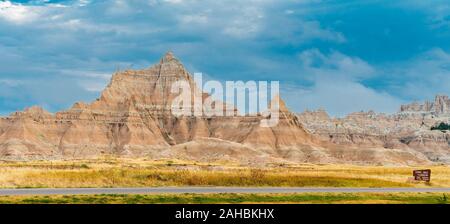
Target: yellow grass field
[(114, 172)]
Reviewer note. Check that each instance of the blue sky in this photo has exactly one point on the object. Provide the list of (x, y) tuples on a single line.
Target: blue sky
[(342, 56)]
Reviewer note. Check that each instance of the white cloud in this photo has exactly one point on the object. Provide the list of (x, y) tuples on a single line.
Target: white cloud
[(313, 30), (246, 23), (87, 74), (120, 7), (23, 14), (10, 82), (17, 13), (337, 82), (438, 11), (174, 1), (194, 18), (340, 97), (298, 30), (334, 65), (83, 43), (289, 11), (84, 2), (93, 86), (423, 76), (336, 85)]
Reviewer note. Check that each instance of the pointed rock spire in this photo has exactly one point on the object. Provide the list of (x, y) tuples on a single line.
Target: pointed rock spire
[(281, 104), (168, 57)]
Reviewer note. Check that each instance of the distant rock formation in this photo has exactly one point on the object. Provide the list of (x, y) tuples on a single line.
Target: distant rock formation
[(441, 105), (410, 129)]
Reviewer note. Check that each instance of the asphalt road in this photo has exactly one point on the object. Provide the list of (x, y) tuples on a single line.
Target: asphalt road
[(201, 190)]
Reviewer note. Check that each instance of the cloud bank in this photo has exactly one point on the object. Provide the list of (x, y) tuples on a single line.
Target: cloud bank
[(57, 52)]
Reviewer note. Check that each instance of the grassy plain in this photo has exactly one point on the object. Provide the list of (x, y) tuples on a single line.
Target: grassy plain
[(113, 172), (307, 198)]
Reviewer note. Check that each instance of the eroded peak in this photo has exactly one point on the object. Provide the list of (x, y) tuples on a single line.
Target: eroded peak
[(168, 57)]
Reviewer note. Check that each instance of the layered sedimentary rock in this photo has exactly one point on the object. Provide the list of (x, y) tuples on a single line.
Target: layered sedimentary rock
[(408, 130), (441, 105), (134, 117)]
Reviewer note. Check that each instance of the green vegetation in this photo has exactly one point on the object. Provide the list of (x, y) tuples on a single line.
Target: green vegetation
[(441, 127), (309, 198)]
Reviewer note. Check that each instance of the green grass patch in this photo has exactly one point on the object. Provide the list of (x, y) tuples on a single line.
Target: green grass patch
[(308, 198)]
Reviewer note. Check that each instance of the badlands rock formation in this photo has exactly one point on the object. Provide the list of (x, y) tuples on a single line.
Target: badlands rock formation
[(440, 106), (408, 130), (133, 117)]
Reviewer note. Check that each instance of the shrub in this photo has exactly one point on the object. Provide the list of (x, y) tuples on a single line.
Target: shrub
[(441, 127)]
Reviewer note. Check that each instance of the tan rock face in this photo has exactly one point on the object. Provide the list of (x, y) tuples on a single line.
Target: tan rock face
[(406, 130), (133, 117), (441, 105)]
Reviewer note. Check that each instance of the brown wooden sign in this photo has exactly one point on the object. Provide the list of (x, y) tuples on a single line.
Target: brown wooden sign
[(422, 175)]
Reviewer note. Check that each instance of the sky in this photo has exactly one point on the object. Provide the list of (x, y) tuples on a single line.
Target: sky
[(341, 56)]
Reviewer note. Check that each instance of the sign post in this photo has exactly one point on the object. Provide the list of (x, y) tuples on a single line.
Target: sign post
[(422, 175)]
